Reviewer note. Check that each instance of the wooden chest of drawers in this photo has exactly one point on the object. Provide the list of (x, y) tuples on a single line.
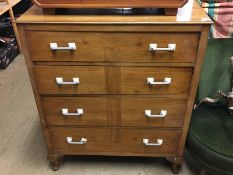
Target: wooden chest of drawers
[(114, 85)]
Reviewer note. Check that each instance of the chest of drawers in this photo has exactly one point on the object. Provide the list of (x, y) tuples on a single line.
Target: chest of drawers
[(114, 85)]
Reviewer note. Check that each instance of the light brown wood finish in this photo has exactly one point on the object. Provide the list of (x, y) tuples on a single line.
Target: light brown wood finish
[(194, 84), (8, 6), (24, 42), (189, 14), (112, 80), (97, 139), (109, 4), (170, 6), (134, 80), (92, 80), (120, 140), (131, 111), (114, 47), (115, 27), (94, 109), (131, 140), (117, 83)]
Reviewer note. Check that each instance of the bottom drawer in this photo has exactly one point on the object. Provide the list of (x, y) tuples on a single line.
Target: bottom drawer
[(157, 141), (116, 140)]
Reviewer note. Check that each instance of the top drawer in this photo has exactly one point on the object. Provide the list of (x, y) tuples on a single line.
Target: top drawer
[(113, 46)]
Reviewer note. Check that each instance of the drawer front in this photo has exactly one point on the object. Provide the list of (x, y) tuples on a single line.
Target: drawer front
[(113, 46), (76, 110), (114, 111), (112, 80), (91, 79), (91, 140), (138, 140), (98, 139), (134, 80), (148, 111)]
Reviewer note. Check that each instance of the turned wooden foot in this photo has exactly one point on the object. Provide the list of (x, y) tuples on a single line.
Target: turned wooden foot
[(55, 165), (55, 161), (175, 164), (175, 168)]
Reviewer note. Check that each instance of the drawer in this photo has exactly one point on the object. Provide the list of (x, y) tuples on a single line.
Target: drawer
[(153, 141), (76, 110), (114, 111), (90, 79), (151, 80), (113, 46), (150, 111), (98, 139), (112, 80), (101, 140)]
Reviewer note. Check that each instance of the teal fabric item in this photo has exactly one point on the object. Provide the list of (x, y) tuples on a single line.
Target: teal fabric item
[(213, 126), (210, 139), (216, 70), (212, 170)]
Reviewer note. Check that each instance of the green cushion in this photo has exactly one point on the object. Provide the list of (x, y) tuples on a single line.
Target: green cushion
[(210, 137), (212, 169)]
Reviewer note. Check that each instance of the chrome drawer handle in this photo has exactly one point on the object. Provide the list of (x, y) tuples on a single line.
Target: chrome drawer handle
[(151, 81), (60, 81), (149, 114), (154, 47), (71, 47), (81, 142), (65, 112), (158, 143)]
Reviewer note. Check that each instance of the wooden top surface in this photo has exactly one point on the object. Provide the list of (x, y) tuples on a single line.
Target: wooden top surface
[(191, 13)]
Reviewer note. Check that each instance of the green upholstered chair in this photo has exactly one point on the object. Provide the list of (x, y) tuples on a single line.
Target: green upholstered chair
[(210, 139)]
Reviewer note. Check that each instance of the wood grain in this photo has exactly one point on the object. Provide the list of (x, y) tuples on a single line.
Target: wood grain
[(92, 80), (125, 26), (130, 140), (191, 14), (114, 111), (114, 46), (194, 85), (133, 111), (99, 80), (24, 42), (124, 140), (98, 139), (134, 80), (112, 62), (94, 108), (109, 4)]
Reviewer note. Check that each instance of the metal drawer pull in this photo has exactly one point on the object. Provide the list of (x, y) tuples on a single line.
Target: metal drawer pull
[(151, 81), (60, 81), (81, 142), (162, 114), (158, 143), (65, 112), (71, 47), (154, 47)]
